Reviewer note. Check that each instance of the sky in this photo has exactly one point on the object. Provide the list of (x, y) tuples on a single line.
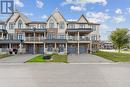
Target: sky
[(111, 14)]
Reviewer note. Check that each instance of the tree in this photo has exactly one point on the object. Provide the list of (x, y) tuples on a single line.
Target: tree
[(120, 38)]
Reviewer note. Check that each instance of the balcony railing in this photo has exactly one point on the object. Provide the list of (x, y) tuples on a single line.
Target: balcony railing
[(69, 38), (36, 39), (72, 38), (84, 38)]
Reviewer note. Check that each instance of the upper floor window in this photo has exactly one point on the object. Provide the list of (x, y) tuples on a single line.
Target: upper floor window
[(20, 24), (2, 26), (51, 24), (94, 37), (32, 26), (82, 26), (42, 26), (61, 25), (94, 27), (20, 37), (72, 26), (11, 25)]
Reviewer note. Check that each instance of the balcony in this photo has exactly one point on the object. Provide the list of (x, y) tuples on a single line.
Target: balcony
[(34, 39), (83, 30), (72, 38), (81, 38), (84, 38), (29, 30)]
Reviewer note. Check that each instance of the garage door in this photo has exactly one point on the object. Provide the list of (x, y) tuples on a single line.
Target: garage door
[(72, 50), (82, 49)]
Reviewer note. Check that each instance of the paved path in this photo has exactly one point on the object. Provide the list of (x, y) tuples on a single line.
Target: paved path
[(86, 58), (17, 58), (64, 75)]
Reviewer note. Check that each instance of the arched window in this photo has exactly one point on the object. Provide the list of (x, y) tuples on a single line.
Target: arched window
[(62, 25), (51, 24), (20, 24)]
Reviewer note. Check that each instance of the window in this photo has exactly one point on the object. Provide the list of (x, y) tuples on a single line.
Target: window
[(20, 37), (62, 25), (42, 26), (50, 48), (51, 36), (10, 36), (32, 26), (51, 24), (11, 25), (62, 36), (82, 26), (94, 37), (61, 48), (94, 27), (71, 26), (20, 24)]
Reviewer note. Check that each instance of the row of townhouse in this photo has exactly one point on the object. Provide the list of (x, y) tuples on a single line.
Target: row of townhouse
[(55, 35)]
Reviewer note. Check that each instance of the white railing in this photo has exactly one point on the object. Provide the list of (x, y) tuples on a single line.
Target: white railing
[(84, 38), (73, 38), (37, 39), (70, 38)]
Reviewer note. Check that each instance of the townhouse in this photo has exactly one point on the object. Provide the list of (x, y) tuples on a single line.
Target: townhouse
[(55, 35)]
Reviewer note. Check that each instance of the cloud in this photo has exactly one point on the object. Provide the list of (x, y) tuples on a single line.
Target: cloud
[(118, 11), (18, 3), (119, 19), (44, 17), (77, 8), (84, 2), (107, 10), (28, 14), (128, 10), (72, 20), (104, 26), (97, 16), (39, 4)]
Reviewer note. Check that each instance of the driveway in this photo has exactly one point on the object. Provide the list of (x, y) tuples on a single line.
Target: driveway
[(86, 58), (17, 58)]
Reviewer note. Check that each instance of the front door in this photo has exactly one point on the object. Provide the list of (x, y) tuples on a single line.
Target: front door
[(40, 49), (29, 49)]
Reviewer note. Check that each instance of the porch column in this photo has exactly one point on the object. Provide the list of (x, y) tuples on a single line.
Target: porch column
[(67, 35), (44, 48), (45, 35), (9, 45), (78, 36), (90, 47), (55, 47), (20, 47), (66, 47), (2, 35), (78, 48), (34, 48)]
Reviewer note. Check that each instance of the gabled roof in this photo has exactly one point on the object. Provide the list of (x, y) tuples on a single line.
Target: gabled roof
[(56, 11), (83, 17), (14, 17), (50, 17)]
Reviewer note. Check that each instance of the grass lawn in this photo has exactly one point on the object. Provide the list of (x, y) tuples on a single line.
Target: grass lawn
[(126, 50), (117, 57), (4, 55), (55, 58)]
